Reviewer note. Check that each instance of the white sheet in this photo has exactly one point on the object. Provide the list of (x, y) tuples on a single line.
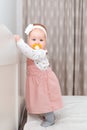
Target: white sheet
[(73, 116)]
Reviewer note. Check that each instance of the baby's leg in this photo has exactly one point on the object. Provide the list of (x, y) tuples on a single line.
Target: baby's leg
[(49, 119)]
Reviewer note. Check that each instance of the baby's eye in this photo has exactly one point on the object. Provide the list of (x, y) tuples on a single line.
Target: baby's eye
[(34, 39), (41, 40)]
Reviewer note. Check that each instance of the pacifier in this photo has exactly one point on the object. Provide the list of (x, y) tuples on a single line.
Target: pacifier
[(37, 46)]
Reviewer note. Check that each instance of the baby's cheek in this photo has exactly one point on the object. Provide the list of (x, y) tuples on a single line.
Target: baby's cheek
[(44, 45), (30, 43)]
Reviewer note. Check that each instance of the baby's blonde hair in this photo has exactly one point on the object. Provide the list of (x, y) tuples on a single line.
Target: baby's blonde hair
[(38, 24)]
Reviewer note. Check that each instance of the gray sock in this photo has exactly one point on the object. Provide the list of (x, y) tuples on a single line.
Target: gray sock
[(49, 119)]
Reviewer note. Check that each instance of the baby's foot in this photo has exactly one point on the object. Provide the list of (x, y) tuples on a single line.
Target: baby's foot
[(46, 123)]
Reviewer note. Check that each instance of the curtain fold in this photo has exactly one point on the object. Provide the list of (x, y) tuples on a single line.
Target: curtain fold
[(66, 22), (80, 75)]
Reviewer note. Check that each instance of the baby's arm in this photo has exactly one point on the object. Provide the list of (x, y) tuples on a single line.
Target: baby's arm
[(28, 51)]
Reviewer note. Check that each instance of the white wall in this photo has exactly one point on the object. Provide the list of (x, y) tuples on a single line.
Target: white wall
[(8, 14)]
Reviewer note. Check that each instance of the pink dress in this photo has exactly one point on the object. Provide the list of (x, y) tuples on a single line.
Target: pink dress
[(42, 90)]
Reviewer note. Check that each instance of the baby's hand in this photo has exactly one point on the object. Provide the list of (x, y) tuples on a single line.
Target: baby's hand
[(17, 38)]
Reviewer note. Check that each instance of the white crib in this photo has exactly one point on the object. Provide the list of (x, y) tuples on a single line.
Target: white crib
[(9, 80)]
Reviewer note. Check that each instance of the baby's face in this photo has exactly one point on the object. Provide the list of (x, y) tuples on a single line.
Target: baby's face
[(37, 37)]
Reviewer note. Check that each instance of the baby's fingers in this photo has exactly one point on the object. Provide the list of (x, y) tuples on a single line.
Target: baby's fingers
[(17, 37)]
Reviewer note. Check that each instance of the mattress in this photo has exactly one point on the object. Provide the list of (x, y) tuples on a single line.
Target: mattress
[(73, 116)]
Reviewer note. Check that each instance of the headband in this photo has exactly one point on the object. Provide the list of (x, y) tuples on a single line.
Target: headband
[(30, 27)]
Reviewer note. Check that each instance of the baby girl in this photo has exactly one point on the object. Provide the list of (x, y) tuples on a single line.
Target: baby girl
[(43, 94)]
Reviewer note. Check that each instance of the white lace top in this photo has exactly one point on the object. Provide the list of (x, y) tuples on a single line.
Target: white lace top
[(39, 56)]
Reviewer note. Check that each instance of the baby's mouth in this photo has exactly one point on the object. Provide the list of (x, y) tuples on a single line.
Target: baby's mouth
[(36, 46)]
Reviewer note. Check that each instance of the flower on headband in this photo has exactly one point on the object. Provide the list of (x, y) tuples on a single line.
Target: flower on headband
[(28, 28)]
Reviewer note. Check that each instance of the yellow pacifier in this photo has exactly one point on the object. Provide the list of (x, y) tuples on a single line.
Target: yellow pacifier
[(36, 46)]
